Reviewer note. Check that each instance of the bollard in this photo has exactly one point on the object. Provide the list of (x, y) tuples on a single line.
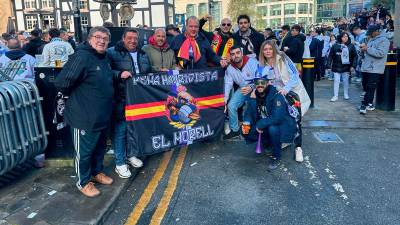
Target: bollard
[(308, 77), (386, 90)]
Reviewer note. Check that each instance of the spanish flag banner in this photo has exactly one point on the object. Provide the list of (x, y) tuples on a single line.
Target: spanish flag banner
[(164, 110)]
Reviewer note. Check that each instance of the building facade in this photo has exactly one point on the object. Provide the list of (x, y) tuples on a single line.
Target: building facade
[(277, 12), (59, 13), (327, 10), (5, 12), (186, 8)]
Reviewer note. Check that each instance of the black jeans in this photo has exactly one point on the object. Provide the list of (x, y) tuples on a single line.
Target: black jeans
[(371, 82)]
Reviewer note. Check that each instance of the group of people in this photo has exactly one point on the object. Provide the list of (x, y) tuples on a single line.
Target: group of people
[(264, 95)]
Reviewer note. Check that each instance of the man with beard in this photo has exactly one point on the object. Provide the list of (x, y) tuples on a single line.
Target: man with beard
[(240, 72), (267, 113), (161, 56), (221, 40), (247, 37)]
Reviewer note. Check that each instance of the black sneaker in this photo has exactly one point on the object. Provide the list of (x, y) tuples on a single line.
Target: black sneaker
[(363, 109), (274, 164), (231, 134)]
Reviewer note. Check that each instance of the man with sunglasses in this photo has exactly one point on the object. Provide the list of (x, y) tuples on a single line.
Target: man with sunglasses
[(247, 37), (267, 113), (221, 40), (240, 72)]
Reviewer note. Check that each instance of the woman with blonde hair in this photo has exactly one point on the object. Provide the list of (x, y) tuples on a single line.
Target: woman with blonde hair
[(279, 65)]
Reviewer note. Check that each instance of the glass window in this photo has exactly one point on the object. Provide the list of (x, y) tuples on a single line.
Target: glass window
[(290, 20), (84, 21), (216, 11), (48, 21), (30, 4), (263, 11), (303, 8), (275, 23), (83, 4), (202, 9), (311, 8), (31, 22), (290, 9), (124, 23), (275, 10), (47, 3), (190, 10), (303, 20)]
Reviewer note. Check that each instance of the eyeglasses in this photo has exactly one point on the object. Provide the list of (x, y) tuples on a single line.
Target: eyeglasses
[(100, 38), (226, 24), (260, 82)]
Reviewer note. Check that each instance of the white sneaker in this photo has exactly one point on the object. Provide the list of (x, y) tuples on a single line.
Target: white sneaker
[(285, 145), (135, 162), (362, 94), (370, 107), (334, 99), (299, 154), (346, 97), (123, 171)]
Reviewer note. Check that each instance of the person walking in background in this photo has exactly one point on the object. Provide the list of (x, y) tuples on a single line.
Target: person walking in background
[(342, 58), (373, 65), (57, 49)]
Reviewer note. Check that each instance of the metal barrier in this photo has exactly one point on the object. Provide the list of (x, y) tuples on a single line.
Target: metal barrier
[(22, 129)]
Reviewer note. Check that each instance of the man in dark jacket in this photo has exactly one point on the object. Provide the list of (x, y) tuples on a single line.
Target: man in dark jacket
[(267, 113), (221, 40), (127, 59), (248, 37), (87, 79), (192, 48), (294, 45), (35, 45)]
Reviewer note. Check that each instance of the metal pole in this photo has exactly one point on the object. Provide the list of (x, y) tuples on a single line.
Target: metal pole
[(77, 21)]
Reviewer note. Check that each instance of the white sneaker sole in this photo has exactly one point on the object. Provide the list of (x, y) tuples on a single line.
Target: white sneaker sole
[(122, 176)]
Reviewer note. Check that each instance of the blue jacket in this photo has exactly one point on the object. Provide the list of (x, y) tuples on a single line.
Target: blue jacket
[(278, 115), (207, 54)]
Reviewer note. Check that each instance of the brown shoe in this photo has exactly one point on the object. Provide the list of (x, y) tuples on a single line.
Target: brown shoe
[(90, 190), (101, 178)]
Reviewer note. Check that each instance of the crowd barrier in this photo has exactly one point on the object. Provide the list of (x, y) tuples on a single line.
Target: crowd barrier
[(22, 130)]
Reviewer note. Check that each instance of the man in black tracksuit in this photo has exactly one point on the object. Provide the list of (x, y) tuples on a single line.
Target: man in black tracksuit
[(87, 79)]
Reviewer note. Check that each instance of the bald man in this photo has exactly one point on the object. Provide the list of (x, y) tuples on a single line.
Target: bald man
[(221, 39), (161, 56)]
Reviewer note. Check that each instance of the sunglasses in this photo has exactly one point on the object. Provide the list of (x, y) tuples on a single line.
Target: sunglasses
[(226, 24), (260, 82)]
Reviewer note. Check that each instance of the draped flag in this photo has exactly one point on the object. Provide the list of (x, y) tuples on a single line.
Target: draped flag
[(164, 110)]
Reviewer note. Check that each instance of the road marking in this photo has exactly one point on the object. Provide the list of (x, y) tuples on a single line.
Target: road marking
[(149, 191), (169, 191)]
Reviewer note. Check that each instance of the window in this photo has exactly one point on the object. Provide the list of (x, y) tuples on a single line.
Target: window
[(275, 10), (83, 4), (216, 13), (290, 20), (31, 22), (48, 21), (262, 10), (30, 4), (275, 23), (311, 9), (190, 10), (202, 9), (124, 23), (84, 21), (303, 20), (290, 9), (303, 8), (47, 3)]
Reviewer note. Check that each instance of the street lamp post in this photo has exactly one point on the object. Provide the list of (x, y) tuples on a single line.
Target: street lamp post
[(77, 21)]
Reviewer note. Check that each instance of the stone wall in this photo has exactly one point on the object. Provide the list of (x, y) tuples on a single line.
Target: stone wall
[(5, 12)]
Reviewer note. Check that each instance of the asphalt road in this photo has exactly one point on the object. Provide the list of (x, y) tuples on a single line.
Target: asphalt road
[(354, 182)]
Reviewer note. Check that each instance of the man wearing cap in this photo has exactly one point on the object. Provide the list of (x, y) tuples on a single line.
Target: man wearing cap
[(373, 65), (267, 113)]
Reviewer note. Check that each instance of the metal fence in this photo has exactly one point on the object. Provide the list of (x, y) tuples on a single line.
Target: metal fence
[(22, 130)]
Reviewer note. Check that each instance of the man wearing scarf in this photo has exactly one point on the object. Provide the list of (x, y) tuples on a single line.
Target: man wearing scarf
[(161, 57), (192, 48), (249, 39), (221, 40)]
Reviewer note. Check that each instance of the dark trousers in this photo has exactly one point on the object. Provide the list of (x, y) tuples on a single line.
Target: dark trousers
[(371, 83), (319, 68), (89, 154), (274, 134), (364, 81)]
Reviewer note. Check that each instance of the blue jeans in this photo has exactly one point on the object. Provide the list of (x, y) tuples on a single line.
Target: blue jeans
[(119, 142), (236, 101)]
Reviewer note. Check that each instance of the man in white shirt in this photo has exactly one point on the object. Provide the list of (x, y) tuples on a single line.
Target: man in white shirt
[(57, 49)]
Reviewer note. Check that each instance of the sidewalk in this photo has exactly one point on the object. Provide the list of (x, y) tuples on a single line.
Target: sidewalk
[(49, 196)]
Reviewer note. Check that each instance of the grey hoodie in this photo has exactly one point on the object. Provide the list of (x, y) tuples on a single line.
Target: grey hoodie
[(376, 55)]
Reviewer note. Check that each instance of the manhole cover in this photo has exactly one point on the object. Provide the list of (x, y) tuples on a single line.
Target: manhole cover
[(327, 137)]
